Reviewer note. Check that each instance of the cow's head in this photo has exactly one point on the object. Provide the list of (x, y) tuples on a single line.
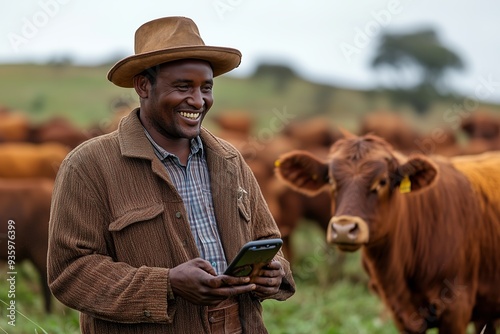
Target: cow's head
[(365, 177)]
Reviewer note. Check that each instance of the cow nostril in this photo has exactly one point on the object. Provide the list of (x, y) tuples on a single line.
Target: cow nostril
[(349, 231), (353, 232)]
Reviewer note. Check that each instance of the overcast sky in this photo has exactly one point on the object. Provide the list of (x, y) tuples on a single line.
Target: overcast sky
[(325, 40)]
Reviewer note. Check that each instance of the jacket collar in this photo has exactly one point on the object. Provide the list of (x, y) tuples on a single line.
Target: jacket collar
[(133, 141)]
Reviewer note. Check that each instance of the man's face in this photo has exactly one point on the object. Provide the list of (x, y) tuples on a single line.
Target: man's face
[(176, 105)]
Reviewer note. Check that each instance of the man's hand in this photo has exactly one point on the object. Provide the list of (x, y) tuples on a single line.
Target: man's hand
[(196, 281), (268, 279)]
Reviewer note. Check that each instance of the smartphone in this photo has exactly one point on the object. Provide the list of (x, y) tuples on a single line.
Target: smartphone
[(258, 252)]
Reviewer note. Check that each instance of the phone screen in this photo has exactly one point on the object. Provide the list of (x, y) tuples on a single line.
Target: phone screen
[(259, 252)]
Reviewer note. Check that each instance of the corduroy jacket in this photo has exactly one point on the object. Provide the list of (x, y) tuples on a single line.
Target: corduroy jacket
[(117, 225)]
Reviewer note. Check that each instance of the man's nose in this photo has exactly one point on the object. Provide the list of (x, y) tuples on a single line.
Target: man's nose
[(196, 99)]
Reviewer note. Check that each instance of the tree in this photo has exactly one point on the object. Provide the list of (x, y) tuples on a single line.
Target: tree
[(421, 54), (280, 74)]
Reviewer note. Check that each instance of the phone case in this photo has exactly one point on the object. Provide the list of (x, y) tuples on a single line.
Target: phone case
[(253, 252)]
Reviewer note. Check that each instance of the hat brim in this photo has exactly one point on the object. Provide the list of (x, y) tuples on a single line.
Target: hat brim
[(222, 60)]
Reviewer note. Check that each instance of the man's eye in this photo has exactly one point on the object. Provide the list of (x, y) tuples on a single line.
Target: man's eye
[(207, 88), (183, 87)]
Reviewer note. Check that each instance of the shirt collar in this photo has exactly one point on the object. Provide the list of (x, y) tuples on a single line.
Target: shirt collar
[(162, 154)]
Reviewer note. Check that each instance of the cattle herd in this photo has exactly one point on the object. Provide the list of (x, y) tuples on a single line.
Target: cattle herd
[(30, 155), (422, 208)]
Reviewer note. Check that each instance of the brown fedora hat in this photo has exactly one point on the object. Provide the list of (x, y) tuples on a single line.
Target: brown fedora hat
[(167, 39)]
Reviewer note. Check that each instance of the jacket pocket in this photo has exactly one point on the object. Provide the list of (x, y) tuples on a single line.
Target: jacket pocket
[(244, 204), (138, 237), (135, 216)]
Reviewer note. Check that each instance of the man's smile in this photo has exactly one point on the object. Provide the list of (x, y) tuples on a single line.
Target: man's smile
[(191, 115)]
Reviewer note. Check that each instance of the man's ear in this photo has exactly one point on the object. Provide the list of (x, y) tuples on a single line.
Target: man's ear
[(418, 173), (303, 172), (141, 85)]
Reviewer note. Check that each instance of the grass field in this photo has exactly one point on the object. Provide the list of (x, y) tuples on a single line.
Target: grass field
[(332, 295)]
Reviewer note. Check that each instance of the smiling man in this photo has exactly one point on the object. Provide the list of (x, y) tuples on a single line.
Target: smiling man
[(144, 220)]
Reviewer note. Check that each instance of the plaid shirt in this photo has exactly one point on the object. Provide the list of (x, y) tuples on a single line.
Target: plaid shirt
[(193, 184)]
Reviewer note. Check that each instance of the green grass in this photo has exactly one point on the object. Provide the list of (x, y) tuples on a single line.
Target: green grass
[(342, 308)]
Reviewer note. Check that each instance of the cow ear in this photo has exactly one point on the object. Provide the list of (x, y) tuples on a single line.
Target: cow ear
[(417, 173), (303, 172)]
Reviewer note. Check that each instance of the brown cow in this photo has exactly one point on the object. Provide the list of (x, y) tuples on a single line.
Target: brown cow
[(483, 131), (481, 125), (14, 126), (240, 123), (429, 228), (26, 160), (59, 130), (312, 133), (25, 204), (394, 128)]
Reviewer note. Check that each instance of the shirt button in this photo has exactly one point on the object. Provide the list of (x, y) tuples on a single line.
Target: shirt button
[(147, 314), (178, 214), (214, 264)]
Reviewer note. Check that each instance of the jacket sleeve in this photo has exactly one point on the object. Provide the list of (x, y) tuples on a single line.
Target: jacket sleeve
[(81, 271)]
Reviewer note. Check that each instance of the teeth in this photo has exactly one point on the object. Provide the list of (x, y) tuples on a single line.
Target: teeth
[(190, 115)]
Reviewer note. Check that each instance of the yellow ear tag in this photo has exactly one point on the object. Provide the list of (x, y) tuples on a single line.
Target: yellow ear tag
[(405, 186)]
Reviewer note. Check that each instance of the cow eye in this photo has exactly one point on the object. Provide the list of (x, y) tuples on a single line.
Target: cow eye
[(378, 186)]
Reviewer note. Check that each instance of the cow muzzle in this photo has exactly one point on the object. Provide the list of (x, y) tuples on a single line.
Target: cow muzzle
[(348, 233)]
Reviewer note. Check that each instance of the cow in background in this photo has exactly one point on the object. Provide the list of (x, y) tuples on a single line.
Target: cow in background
[(27, 204), (58, 130), (26, 160), (407, 138), (393, 127), (235, 124), (429, 228), (14, 126), (483, 132), (314, 133)]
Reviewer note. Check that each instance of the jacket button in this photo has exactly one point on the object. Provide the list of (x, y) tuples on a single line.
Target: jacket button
[(147, 314), (211, 320), (178, 214)]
